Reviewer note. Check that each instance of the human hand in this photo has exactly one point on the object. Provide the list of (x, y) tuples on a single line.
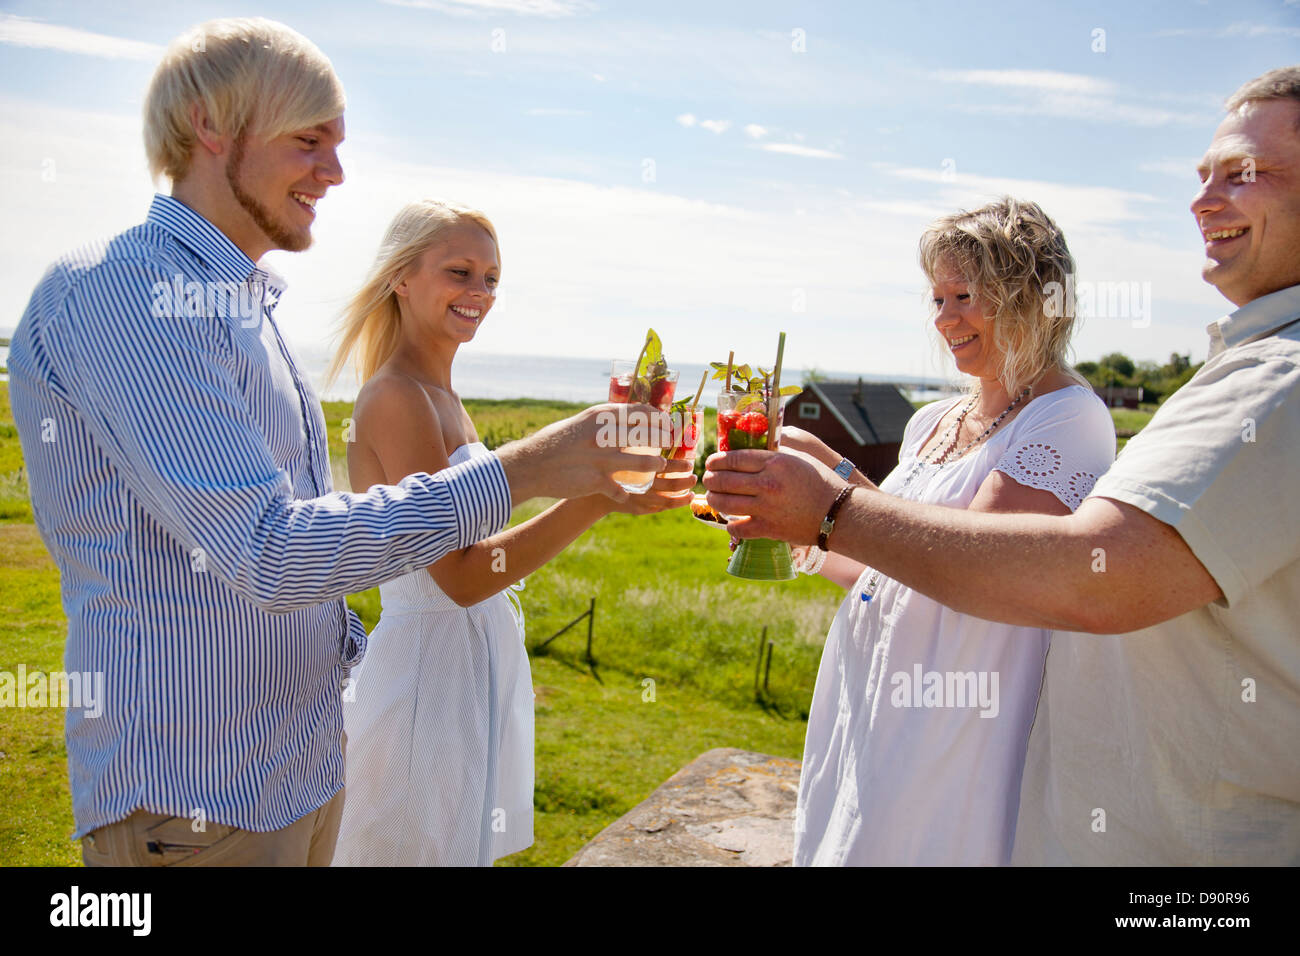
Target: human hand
[(672, 488), (781, 495), (579, 455)]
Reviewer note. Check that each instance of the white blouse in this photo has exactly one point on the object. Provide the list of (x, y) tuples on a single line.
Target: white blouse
[(921, 715)]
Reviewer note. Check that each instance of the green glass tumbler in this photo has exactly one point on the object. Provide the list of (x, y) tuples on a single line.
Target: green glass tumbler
[(743, 423)]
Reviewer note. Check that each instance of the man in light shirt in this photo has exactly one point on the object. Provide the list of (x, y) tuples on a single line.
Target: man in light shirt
[(1174, 741), (180, 478)]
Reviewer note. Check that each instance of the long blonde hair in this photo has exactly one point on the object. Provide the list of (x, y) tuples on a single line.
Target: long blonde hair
[(251, 75), (1014, 255), (371, 325)]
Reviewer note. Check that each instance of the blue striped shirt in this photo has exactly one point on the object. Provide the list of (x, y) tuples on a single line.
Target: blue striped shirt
[(180, 477)]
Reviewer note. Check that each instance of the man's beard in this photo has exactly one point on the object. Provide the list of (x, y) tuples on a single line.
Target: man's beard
[(282, 237)]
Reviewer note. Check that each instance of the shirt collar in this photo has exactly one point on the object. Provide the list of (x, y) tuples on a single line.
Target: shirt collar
[(1255, 320), (212, 245)]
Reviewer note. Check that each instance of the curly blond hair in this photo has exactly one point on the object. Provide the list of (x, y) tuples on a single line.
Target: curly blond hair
[(1015, 258)]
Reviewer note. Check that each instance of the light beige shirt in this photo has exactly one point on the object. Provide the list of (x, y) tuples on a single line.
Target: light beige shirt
[(1180, 744)]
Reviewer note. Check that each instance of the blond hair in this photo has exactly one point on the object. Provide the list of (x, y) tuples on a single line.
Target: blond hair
[(372, 322), (1280, 84), (252, 75), (1014, 256)]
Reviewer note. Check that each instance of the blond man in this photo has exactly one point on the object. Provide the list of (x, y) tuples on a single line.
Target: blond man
[(180, 477)]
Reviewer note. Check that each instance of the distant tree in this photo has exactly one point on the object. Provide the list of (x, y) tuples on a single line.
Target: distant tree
[(811, 375), (1119, 363)]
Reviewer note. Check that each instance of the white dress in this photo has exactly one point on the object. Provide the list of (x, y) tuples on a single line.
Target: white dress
[(440, 733), (920, 718)]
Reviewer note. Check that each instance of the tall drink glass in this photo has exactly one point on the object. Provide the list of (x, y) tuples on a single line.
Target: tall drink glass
[(743, 423), (621, 375)]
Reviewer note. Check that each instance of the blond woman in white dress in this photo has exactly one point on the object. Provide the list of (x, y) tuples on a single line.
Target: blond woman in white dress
[(920, 718), (440, 730)]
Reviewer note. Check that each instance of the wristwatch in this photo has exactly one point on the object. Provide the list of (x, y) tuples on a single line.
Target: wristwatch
[(844, 468), (828, 523)]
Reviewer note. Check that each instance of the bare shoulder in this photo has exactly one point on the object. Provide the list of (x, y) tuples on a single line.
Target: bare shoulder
[(393, 402), (397, 431)]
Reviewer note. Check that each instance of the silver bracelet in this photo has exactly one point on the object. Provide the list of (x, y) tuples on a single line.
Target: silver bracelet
[(813, 560)]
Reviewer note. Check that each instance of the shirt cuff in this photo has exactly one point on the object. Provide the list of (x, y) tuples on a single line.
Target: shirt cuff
[(480, 497), (1200, 539)]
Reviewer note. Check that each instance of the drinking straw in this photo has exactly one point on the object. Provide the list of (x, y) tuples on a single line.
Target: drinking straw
[(699, 391), (774, 400), (731, 357)]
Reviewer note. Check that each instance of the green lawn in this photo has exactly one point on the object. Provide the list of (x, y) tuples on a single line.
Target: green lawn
[(665, 610)]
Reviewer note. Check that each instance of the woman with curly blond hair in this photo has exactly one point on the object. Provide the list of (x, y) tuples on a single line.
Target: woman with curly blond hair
[(920, 719)]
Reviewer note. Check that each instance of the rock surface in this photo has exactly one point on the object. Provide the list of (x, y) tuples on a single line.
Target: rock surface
[(727, 807)]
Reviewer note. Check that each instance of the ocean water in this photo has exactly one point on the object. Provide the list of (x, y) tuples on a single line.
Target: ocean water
[(562, 379), (569, 379)]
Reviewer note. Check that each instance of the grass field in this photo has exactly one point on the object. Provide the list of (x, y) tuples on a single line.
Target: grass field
[(665, 611)]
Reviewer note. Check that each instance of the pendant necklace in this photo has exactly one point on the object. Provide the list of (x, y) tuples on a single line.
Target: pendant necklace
[(942, 455)]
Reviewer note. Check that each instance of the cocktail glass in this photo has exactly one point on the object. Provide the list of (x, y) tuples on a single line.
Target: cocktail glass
[(743, 423), (621, 376), (688, 428)]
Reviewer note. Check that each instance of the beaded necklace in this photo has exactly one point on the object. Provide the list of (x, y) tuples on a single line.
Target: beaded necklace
[(944, 456)]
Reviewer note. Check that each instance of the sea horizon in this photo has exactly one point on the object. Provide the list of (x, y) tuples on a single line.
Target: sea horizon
[(578, 379), (558, 378)]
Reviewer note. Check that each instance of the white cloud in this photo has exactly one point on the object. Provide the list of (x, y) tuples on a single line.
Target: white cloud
[(792, 149), (713, 126), (528, 8), (1093, 108), (1029, 79), (588, 267), (24, 31), (1065, 95), (556, 111), (754, 131), (1239, 29), (1258, 30), (1081, 206), (1182, 169)]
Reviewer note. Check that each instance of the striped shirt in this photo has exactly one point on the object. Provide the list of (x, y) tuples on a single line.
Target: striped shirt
[(180, 477)]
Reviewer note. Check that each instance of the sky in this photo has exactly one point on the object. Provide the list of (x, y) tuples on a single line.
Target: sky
[(719, 171)]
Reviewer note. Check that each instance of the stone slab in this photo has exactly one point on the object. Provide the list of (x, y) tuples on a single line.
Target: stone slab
[(727, 807)]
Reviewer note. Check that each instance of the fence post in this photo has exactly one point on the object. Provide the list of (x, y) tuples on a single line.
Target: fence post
[(591, 623)]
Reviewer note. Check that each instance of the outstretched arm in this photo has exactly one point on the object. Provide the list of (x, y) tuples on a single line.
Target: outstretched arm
[(1107, 568), (410, 440)]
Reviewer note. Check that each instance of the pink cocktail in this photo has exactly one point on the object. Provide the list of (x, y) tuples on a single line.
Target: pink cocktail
[(622, 377)]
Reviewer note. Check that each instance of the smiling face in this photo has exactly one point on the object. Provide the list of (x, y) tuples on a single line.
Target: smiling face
[(450, 289), (960, 319), (277, 183), (1248, 208)]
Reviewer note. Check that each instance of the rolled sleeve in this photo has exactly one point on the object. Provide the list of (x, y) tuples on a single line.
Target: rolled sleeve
[(1215, 464)]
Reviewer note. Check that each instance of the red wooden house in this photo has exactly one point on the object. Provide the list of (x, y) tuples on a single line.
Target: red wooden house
[(863, 421)]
